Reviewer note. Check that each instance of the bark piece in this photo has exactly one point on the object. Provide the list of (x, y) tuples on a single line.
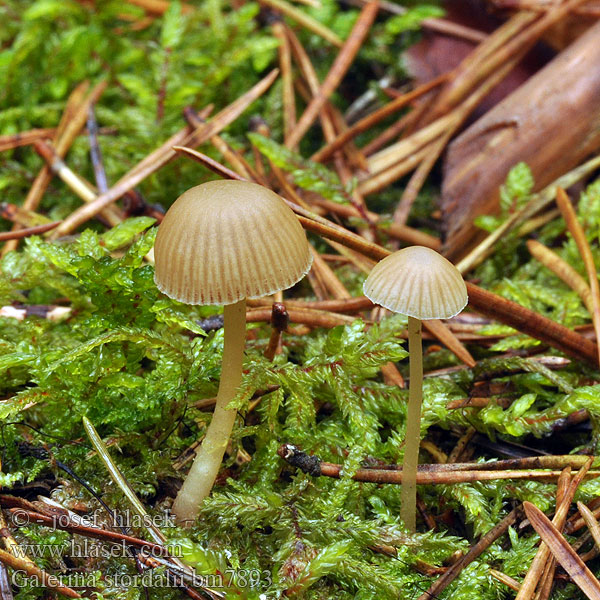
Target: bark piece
[(552, 122)]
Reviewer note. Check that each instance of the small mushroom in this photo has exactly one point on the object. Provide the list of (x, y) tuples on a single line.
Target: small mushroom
[(418, 282), (220, 243)]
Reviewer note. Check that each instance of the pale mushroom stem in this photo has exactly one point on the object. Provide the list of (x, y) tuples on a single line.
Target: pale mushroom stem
[(208, 459), (408, 508)]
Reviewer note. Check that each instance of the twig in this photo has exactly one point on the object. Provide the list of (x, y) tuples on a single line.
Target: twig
[(304, 316), (575, 229), (22, 233), (340, 65), (426, 474), (475, 551), (121, 482)]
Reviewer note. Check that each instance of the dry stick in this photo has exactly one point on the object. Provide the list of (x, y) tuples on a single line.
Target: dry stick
[(313, 466), (562, 551), (475, 551), (25, 566), (562, 269), (80, 186), (401, 150), (355, 157), (560, 516), (575, 229), (304, 316), (164, 155), (349, 305), (309, 74), (238, 162), (340, 65), (280, 320), (537, 203), (22, 233), (287, 81), (369, 121), (305, 20)]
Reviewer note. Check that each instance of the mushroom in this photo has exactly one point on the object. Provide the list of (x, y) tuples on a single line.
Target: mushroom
[(418, 282), (220, 243)]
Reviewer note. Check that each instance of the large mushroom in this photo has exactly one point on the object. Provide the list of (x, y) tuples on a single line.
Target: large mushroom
[(220, 243), (418, 282)]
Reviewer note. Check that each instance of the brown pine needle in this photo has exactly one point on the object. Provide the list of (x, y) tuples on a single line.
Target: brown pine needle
[(537, 566), (591, 522), (69, 127), (562, 551), (163, 155), (575, 229), (564, 270), (444, 335), (340, 66), (479, 548), (285, 65), (305, 20), (24, 138), (22, 233), (369, 121)]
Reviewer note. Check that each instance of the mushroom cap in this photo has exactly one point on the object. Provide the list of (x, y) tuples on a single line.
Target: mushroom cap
[(227, 240), (418, 282)]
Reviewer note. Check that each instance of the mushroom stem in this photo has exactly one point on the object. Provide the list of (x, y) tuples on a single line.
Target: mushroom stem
[(208, 459), (412, 439)]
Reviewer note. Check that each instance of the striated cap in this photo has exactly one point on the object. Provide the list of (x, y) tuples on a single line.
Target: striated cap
[(227, 240), (417, 282)]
